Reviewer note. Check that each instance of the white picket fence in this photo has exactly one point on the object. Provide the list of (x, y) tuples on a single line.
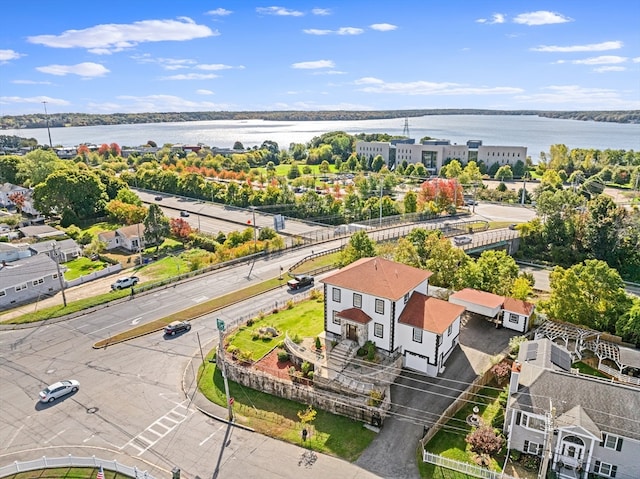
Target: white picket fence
[(71, 461), (464, 467), (114, 268)]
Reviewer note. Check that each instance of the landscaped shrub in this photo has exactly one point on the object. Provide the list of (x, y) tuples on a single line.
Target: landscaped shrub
[(361, 352), (290, 304), (501, 372), (515, 455), (375, 398), (250, 321), (306, 367), (233, 350), (283, 356), (318, 343), (371, 352)]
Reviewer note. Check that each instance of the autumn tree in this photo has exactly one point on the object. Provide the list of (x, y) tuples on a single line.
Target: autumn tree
[(126, 213), (484, 440), (18, 199), (180, 228)]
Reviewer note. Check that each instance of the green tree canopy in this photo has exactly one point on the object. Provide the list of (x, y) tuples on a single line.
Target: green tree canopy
[(156, 226), (360, 246)]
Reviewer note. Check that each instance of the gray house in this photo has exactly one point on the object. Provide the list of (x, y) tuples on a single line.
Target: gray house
[(66, 249), (27, 280), (583, 424)]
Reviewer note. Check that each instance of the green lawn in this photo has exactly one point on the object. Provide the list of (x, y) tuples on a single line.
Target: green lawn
[(82, 266), (304, 319), (96, 228), (586, 369), (449, 441), (277, 417), (67, 473)]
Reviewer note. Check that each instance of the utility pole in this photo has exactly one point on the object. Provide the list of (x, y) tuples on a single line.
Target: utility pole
[(381, 183), (57, 259), (524, 188), (46, 115), (223, 368), (139, 244), (547, 451)]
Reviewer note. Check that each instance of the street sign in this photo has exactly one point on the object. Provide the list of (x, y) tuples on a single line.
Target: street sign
[(231, 401), (220, 324)]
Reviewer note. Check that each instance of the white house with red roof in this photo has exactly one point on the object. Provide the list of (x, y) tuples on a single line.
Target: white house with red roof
[(387, 303), (508, 312)]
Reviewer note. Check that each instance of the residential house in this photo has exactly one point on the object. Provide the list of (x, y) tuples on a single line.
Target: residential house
[(66, 250), (27, 280), (40, 232), (13, 252), (507, 312), (387, 303), (588, 425), (7, 189), (130, 238)]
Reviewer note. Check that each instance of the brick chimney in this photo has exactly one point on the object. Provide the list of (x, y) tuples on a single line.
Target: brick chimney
[(516, 367)]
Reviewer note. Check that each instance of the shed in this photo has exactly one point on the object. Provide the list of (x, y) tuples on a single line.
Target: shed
[(480, 302)]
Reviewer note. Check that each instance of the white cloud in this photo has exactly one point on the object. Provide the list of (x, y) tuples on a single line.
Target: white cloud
[(219, 12), (7, 55), (204, 92), (339, 31), (191, 76), (577, 95), (5, 100), (314, 64), (636, 60), (321, 11), (495, 18), (601, 60), (316, 31), (383, 27), (214, 67), (349, 31), (30, 82), (541, 17), (375, 85), (84, 70), (109, 38), (609, 69), (279, 11), (154, 103), (165, 63), (591, 47)]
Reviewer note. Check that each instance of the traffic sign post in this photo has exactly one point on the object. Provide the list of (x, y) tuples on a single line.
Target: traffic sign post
[(223, 368), (220, 324)]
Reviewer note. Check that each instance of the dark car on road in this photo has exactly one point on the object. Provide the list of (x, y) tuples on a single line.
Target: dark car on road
[(300, 281), (176, 327)]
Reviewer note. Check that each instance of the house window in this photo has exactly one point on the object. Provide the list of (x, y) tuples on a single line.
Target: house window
[(406, 298), (450, 329), (379, 306), (357, 300), (336, 319), (605, 469), (378, 330), (532, 422), (417, 335), (532, 448), (22, 286), (513, 318), (611, 442), (336, 294), (38, 281)]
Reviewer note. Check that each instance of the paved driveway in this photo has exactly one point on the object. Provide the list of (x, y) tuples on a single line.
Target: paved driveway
[(418, 400)]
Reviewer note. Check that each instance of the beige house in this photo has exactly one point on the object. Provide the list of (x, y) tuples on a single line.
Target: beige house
[(130, 238)]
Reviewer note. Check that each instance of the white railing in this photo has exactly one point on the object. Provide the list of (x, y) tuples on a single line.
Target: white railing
[(623, 378), (71, 461), (95, 275), (464, 467)]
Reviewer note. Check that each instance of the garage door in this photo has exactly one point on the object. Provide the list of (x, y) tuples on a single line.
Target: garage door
[(412, 361)]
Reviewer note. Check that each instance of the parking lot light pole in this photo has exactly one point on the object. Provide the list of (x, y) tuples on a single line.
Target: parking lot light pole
[(223, 369)]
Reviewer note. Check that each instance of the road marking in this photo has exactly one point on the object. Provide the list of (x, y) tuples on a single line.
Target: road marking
[(52, 438), (158, 422), (210, 436), (200, 299), (13, 437), (136, 320), (89, 438)]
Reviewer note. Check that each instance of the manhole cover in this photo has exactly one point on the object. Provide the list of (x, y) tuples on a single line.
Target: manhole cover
[(92, 410)]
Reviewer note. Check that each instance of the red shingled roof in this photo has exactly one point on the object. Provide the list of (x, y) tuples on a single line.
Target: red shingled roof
[(378, 277), (429, 313), (356, 315), (523, 308)]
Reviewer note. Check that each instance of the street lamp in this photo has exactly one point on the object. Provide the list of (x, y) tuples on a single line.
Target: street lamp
[(46, 115)]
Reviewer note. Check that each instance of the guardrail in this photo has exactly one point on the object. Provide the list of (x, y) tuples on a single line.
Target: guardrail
[(72, 461)]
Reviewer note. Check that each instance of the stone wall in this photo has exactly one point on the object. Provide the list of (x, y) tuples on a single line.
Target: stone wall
[(349, 406)]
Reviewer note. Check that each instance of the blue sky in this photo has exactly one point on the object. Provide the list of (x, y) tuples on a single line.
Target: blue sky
[(142, 56)]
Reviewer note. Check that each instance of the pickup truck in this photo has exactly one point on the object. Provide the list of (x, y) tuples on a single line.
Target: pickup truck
[(300, 281), (122, 283)]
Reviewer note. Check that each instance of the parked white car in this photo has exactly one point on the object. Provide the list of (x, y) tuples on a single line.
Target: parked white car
[(59, 389)]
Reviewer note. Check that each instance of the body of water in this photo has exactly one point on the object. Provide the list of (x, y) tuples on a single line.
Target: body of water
[(536, 133)]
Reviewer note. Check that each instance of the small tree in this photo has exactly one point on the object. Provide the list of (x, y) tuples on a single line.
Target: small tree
[(501, 371), (484, 440)]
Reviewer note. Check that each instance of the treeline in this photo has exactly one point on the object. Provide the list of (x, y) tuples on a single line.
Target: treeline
[(60, 120)]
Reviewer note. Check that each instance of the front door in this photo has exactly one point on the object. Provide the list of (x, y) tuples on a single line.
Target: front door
[(572, 451), (352, 332)]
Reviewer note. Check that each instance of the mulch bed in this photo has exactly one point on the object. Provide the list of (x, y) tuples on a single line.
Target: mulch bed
[(270, 364)]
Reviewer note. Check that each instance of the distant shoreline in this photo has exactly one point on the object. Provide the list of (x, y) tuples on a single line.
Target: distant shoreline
[(62, 120)]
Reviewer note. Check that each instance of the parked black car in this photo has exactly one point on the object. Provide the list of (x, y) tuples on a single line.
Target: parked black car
[(300, 281)]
